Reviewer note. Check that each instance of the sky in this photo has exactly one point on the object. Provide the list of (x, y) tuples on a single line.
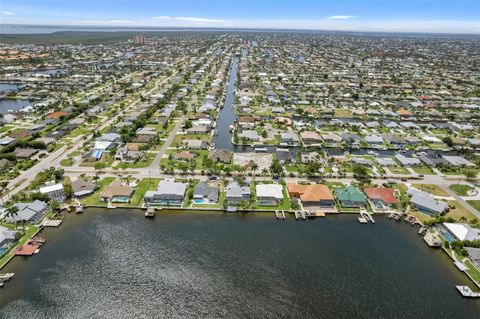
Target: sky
[(435, 16)]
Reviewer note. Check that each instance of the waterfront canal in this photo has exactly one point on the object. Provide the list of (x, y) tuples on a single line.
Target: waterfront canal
[(117, 264)]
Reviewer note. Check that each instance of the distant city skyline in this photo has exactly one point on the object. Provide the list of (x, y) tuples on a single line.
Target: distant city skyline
[(439, 16)]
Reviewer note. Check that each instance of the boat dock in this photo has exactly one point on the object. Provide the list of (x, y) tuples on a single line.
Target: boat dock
[(280, 214), (52, 222), (5, 277), (465, 291), (395, 216), (368, 217), (299, 214)]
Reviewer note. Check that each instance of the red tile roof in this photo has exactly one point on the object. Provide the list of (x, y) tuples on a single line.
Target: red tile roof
[(386, 195)]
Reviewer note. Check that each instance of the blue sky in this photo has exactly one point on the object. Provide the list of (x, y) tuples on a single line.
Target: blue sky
[(456, 16)]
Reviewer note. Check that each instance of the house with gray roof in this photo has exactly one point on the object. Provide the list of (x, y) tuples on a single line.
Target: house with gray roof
[(29, 212), (205, 193), (168, 193), (407, 161), (426, 203), (7, 237), (236, 193)]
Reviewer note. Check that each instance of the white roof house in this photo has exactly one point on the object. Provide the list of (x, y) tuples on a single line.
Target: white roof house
[(462, 231), (269, 191)]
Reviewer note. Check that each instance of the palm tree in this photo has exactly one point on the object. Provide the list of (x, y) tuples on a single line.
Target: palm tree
[(253, 167), (3, 185), (12, 212)]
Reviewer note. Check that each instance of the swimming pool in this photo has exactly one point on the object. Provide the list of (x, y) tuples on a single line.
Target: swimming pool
[(199, 201), (448, 237), (3, 250)]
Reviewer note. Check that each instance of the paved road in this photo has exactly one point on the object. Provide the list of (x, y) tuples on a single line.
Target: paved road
[(156, 162)]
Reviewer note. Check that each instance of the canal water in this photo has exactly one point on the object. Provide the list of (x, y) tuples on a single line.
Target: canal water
[(12, 104), (117, 264)]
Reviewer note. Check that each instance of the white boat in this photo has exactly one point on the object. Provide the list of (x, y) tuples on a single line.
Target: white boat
[(150, 212), (79, 209)]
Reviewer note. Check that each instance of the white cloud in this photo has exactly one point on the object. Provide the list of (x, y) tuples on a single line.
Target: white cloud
[(162, 18), (198, 20), (340, 17), (8, 13), (120, 21)]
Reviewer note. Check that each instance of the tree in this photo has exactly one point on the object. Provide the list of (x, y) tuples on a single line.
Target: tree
[(11, 212), (470, 174), (3, 185), (360, 173), (54, 205), (276, 168), (253, 167)]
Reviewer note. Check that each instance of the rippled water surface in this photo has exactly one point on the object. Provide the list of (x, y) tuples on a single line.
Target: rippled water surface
[(117, 264)]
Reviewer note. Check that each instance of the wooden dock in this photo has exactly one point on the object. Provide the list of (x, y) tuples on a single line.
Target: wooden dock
[(52, 222), (466, 292)]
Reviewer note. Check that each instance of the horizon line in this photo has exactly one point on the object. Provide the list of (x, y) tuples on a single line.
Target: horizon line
[(200, 28)]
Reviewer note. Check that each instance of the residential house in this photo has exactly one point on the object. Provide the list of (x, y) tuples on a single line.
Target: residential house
[(205, 193), (269, 194), (82, 188), (219, 155), (236, 193), (168, 193), (53, 191), (116, 192), (350, 197), (314, 196), (29, 212)]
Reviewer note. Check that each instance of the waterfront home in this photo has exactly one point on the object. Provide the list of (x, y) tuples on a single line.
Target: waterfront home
[(29, 212), (269, 194), (385, 161), (7, 237), (374, 139), (331, 138), (53, 191), (474, 256), (198, 129), (350, 197), (82, 188), (205, 193), (168, 193), (310, 137), (457, 161), (236, 193), (426, 203), (289, 138), (310, 157), (195, 144), (407, 161), (459, 232), (314, 196), (362, 161), (116, 192), (381, 197), (219, 155), (184, 156)]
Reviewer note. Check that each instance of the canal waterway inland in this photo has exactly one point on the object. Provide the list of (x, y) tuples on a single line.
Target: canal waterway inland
[(117, 264)]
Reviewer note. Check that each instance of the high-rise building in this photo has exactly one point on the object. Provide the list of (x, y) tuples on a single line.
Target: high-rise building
[(140, 39)]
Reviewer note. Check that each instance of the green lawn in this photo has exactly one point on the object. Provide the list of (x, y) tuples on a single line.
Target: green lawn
[(460, 189), (145, 185), (475, 204), (94, 199), (398, 170), (66, 162), (430, 188), (145, 163), (425, 170), (472, 271)]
